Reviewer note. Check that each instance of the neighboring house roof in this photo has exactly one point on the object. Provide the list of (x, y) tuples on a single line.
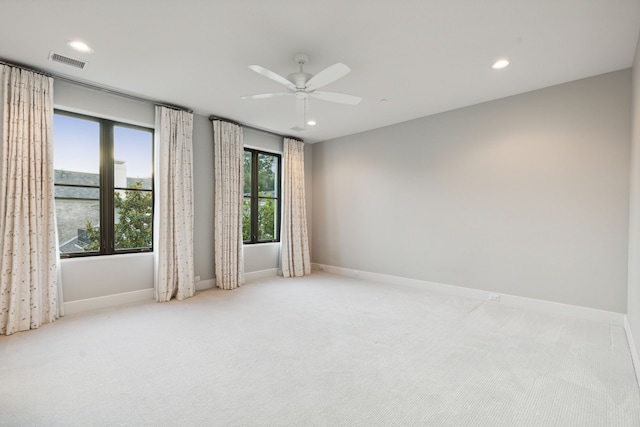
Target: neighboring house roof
[(67, 180), (70, 246)]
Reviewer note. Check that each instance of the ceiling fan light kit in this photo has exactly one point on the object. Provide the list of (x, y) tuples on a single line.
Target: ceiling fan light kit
[(304, 85)]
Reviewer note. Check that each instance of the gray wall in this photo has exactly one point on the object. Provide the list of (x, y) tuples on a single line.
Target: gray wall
[(79, 99), (203, 198), (526, 195), (258, 257), (633, 306), (108, 275), (101, 276)]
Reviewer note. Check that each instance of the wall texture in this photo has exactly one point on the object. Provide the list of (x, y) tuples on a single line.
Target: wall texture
[(526, 195), (633, 305)]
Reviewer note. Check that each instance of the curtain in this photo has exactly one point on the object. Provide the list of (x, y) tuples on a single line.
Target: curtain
[(28, 258), (173, 251), (229, 179), (295, 256)]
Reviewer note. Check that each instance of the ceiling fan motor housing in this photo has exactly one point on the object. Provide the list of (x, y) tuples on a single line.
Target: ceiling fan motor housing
[(299, 79)]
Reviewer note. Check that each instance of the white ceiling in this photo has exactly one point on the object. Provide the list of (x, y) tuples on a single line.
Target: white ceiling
[(424, 56)]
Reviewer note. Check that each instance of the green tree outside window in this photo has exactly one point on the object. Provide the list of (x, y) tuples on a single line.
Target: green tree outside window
[(134, 228)]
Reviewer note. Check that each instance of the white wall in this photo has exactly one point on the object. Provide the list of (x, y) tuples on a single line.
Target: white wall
[(92, 277), (527, 195), (633, 305)]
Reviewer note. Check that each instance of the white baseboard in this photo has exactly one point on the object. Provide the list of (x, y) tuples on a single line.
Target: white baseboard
[(71, 307), (201, 285), (574, 311), (262, 274), (632, 348), (252, 276)]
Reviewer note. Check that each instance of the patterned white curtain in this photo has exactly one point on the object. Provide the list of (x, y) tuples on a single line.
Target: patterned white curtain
[(28, 257), (229, 179), (295, 256), (173, 250)]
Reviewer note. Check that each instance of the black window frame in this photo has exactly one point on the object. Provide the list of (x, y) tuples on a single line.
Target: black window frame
[(255, 198), (107, 186)]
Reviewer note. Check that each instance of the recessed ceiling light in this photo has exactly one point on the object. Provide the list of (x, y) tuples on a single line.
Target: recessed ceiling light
[(311, 123), (79, 46), (500, 64)]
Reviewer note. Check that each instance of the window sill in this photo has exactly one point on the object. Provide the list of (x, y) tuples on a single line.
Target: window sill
[(105, 257), (246, 245)]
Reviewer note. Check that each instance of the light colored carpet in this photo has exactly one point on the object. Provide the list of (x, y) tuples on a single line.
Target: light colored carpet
[(323, 350)]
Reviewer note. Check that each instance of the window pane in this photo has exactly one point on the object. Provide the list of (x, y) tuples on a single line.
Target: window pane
[(78, 218), (247, 173), (133, 157), (246, 219), (267, 219), (267, 175), (76, 162), (83, 148), (260, 220), (76, 151), (133, 219)]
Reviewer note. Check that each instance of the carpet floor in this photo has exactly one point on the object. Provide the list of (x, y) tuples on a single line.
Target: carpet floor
[(323, 350)]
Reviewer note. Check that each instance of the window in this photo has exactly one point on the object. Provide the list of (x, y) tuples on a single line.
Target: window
[(261, 210), (103, 176)]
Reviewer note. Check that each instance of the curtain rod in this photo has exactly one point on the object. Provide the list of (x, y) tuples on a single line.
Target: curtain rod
[(95, 87), (212, 118)]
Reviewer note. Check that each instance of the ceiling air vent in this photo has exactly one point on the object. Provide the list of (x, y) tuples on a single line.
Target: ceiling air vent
[(56, 57)]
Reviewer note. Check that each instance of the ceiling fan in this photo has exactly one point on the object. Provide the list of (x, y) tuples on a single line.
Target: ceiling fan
[(303, 85)]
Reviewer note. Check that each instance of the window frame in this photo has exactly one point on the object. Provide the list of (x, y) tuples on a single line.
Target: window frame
[(107, 186), (255, 198)]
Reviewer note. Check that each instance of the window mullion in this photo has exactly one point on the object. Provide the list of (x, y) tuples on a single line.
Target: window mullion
[(106, 188), (254, 196), (279, 200)]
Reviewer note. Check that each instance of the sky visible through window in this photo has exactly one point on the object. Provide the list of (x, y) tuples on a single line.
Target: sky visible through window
[(76, 147)]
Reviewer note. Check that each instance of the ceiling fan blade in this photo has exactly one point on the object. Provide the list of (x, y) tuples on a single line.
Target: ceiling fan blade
[(340, 98), (265, 95), (273, 76), (328, 75)]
